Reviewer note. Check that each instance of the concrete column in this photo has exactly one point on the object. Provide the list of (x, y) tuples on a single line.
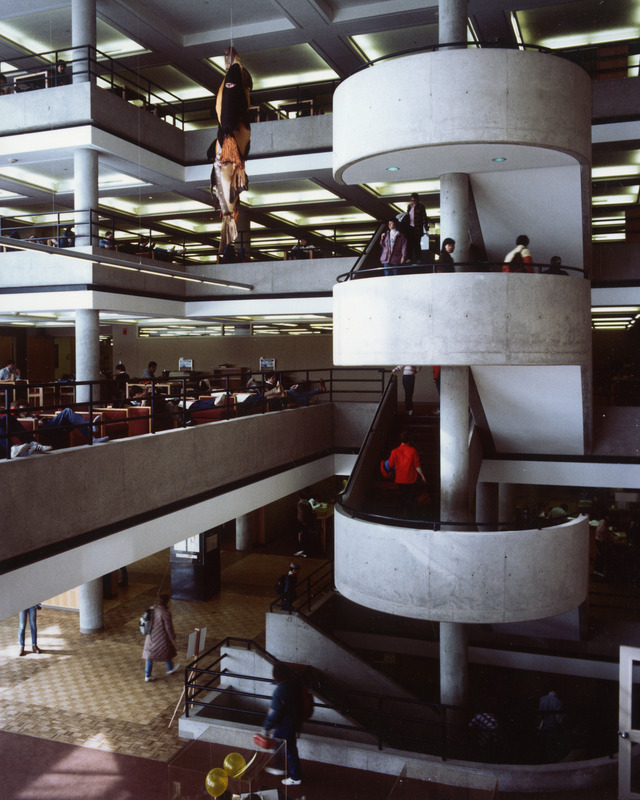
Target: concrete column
[(85, 177), (454, 506), (487, 504), (454, 666), (507, 505), (452, 21), (91, 607), (454, 444), (83, 36), (454, 213), (87, 352), (244, 532)]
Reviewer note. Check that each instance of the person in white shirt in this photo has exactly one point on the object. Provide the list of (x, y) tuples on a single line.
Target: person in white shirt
[(10, 372), (408, 384)]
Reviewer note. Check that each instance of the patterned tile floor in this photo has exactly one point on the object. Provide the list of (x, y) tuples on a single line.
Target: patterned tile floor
[(90, 689)]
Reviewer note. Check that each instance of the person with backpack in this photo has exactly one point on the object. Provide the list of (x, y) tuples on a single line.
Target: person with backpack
[(160, 643), (285, 718), (519, 259)]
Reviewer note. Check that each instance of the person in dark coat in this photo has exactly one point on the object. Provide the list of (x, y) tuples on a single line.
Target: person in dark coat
[(160, 644), (284, 719)]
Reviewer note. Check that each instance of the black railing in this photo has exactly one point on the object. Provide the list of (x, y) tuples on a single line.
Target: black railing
[(317, 584), (40, 71), (601, 61), (181, 392), (458, 266), (378, 714)]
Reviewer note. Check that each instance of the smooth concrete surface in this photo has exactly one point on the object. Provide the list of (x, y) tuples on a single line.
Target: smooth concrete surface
[(292, 638), (541, 410), (87, 352), (462, 319), (532, 108), (547, 472), (462, 576), (123, 478)]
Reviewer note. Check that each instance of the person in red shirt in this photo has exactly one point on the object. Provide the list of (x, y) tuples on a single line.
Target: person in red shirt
[(405, 460)]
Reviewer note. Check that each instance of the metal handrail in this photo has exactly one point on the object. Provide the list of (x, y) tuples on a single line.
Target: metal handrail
[(433, 267), (212, 677)]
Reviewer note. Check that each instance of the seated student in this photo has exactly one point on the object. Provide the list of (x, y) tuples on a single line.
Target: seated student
[(11, 427), (302, 250), (108, 241), (68, 418), (68, 238), (301, 396), (121, 373)]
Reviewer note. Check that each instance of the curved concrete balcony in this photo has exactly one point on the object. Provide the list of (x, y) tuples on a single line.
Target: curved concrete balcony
[(462, 576), (517, 123), (463, 319), (464, 108)]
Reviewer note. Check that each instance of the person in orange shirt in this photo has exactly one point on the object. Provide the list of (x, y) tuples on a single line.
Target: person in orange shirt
[(405, 460)]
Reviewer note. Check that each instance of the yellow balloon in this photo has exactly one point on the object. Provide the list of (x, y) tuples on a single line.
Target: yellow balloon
[(216, 782), (234, 765)]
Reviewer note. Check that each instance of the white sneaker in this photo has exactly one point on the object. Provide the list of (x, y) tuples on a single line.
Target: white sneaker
[(19, 450), (34, 447), (291, 782), (176, 667), (148, 679), (100, 439)]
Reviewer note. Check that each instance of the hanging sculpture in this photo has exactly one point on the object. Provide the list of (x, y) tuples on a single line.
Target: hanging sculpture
[(231, 148)]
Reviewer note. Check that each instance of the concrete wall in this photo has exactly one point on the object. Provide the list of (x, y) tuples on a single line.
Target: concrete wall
[(118, 480), (270, 138), (463, 318), (462, 576)]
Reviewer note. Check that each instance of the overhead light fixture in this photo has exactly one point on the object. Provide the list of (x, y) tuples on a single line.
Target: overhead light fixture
[(498, 159), (393, 169)]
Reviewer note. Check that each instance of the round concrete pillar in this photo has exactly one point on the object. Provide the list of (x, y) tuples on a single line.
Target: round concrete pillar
[(452, 21), (453, 664), (91, 607), (244, 532), (487, 505), (85, 200), (83, 36), (87, 353), (454, 213), (507, 505), (454, 444)]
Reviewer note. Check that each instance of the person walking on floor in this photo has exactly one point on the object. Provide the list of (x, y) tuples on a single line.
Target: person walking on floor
[(285, 718), (32, 615), (160, 643)]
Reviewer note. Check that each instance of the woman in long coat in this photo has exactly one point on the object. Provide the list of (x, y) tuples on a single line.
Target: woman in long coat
[(160, 644)]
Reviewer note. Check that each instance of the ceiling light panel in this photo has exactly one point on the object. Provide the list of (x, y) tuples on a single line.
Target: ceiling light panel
[(288, 65)]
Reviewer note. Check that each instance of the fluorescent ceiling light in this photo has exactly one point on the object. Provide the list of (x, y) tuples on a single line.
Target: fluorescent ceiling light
[(609, 237), (614, 199), (615, 172), (593, 37)]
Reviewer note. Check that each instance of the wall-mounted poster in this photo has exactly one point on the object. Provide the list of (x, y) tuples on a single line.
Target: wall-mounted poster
[(267, 363), (185, 364)]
